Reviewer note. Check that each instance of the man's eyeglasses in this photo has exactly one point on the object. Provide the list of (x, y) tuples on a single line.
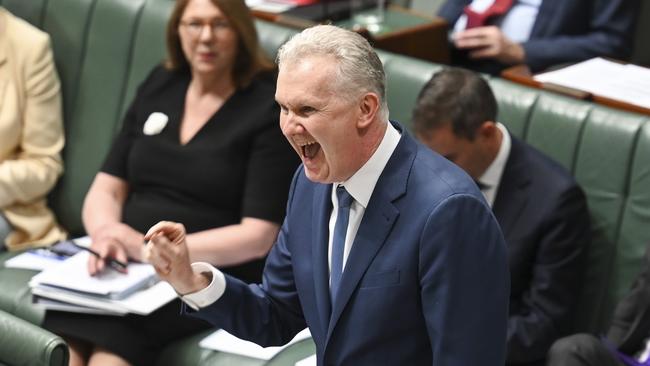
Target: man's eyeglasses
[(195, 27)]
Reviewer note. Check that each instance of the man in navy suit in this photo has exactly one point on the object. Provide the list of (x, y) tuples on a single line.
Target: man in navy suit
[(388, 252), (539, 33), (541, 210)]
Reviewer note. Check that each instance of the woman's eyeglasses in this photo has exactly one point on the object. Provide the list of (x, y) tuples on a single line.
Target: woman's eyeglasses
[(195, 27)]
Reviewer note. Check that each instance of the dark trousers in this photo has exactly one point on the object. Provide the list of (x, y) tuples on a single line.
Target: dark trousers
[(581, 350)]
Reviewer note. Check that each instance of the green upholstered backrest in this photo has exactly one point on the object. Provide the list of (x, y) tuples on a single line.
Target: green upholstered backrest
[(24, 344), (405, 77), (515, 104), (272, 36), (603, 148)]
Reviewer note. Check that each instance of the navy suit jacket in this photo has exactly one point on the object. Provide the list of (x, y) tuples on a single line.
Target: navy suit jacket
[(426, 281), (568, 31), (544, 218)]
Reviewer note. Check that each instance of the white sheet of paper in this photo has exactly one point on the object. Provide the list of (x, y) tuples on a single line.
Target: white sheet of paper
[(627, 83), (51, 304), (223, 341), (33, 261), (37, 261), (309, 361), (72, 274), (269, 6), (142, 302)]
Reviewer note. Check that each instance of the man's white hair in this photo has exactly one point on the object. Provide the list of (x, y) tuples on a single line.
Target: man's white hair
[(359, 68)]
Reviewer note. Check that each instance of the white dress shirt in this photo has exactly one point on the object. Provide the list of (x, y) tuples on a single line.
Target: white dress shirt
[(360, 186), (492, 175), (516, 24)]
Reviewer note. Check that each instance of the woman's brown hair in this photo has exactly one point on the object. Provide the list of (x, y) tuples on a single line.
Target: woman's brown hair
[(251, 58)]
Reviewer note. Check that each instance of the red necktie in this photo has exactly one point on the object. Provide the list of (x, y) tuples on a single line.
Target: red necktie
[(474, 19)]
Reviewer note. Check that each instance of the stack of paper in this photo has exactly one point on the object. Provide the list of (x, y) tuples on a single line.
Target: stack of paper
[(68, 286), (625, 82), (43, 258)]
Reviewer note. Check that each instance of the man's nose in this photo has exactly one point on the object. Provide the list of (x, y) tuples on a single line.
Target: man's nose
[(291, 125)]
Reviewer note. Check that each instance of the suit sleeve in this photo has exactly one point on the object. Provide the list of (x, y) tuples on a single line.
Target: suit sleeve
[(451, 10), (465, 283), (269, 314), (37, 164), (556, 280), (611, 30), (631, 320)]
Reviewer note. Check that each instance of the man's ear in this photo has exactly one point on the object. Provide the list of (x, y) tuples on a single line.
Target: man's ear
[(488, 130), (368, 109)]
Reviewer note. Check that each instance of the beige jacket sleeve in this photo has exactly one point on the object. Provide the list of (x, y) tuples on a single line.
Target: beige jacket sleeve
[(31, 130), (32, 168)]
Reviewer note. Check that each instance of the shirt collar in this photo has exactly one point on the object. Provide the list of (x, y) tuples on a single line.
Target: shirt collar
[(492, 176), (362, 183)]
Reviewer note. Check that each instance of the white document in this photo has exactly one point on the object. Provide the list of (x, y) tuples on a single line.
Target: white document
[(269, 6), (226, 342), (50, 304), (627, 83), (41, 259), (72, 274), (142, 302), (309, 361), (34, 260)]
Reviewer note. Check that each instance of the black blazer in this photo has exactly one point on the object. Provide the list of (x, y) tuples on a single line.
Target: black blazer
[(631, 323), (544, 218)]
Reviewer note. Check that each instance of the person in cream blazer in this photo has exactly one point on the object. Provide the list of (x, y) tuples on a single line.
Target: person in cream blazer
[(31, 133)]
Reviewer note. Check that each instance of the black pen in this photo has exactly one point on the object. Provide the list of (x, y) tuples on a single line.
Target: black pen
[(112, 262)]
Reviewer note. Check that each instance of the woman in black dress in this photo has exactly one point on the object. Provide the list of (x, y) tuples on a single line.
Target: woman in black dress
[(209, 116)]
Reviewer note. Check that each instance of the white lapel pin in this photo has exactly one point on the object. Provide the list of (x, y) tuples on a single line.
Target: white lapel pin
[(155, 123)]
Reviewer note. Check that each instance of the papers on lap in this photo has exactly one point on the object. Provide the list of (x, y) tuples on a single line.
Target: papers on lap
[(111, 292), (44, 258), (142, 302), (72, 274), (226, 342)]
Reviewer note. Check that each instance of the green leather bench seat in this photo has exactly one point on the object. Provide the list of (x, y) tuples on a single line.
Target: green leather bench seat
[(105, 48), (23, 343)]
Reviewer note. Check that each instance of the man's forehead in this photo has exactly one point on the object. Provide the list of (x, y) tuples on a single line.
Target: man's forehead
[(296, 81), (314, 65)]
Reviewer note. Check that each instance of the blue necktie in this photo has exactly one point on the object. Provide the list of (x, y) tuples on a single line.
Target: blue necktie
[(338, 239)]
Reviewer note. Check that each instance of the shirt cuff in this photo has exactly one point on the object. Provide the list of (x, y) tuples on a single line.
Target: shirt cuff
[(210, 294)]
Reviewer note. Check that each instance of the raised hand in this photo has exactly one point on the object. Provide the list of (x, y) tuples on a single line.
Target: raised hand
[(167, 251)]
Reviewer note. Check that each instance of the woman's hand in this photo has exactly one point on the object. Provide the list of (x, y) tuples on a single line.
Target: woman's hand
[(167, 251), (115, 240)]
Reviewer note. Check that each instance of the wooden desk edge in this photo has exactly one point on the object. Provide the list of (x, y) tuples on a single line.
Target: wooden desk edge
[(521, 74)]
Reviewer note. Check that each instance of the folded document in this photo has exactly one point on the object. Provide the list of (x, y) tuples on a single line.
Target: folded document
[(111, 292)]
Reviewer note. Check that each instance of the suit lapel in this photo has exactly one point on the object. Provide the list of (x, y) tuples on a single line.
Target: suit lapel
[(377, 223), (512, 194), (322, 207), (544, 15)]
